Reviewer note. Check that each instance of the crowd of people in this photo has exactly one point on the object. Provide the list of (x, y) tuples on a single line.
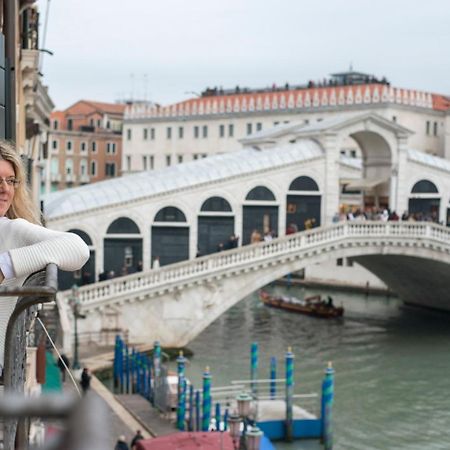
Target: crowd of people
[(384, 215)]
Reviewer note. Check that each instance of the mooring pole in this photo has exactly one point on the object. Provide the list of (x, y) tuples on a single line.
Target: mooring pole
[(254, 367), (289, 394), (327, 402), (206, 418)]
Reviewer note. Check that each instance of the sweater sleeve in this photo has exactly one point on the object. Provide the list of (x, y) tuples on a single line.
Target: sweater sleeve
[(41, 246)]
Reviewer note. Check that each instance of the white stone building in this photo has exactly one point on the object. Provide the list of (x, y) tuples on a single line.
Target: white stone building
[(155, 137)]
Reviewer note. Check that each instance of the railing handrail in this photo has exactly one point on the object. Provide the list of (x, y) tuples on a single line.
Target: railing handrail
[(205, 265)]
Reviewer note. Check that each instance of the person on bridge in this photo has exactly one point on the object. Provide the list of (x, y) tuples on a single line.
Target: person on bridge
[(26, 246)]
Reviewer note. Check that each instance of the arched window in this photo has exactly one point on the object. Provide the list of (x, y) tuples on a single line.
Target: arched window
[(424, 187), (303, 183), (216, 204), (170, 214), (260, 193), (86, 238), (123, 225)]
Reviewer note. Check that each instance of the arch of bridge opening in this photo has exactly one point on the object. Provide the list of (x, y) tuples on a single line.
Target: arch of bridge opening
[(424, 201), (303, 204), (378, 161), (215, 226), (122, 248), (169, 237), (86, 274), (259, 212)]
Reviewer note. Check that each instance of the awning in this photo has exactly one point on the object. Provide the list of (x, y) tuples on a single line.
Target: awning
[(365, 184)]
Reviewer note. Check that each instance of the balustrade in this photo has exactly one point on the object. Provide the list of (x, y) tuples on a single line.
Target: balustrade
[(246, 255)]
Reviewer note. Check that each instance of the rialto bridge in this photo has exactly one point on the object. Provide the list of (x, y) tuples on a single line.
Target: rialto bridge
[(282, 176)]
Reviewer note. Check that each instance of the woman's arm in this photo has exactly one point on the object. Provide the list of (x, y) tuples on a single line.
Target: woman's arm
[(41, 246)]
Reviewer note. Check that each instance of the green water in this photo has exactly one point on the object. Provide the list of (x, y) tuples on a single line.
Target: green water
[(392, 365)]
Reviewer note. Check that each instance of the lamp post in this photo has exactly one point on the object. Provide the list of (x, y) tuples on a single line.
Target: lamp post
[(74, 302), (243, 411)]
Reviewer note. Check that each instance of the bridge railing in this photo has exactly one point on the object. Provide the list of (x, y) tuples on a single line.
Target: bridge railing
[(169, 276)]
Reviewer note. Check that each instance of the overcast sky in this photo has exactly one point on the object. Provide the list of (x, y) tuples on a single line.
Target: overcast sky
[(110, 49)]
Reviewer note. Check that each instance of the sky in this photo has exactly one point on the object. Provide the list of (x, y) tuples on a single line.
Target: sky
[(170, 50)]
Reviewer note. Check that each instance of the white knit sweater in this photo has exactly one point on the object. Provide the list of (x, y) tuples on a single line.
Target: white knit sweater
[(31, 247)]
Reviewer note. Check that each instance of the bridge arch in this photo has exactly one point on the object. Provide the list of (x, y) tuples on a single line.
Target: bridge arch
[(122, 247), (169, 236), (215, 225), (260, 211), (303, 204)]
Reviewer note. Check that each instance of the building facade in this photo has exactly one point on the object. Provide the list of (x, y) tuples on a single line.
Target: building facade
[(85, 145), (156, 137)]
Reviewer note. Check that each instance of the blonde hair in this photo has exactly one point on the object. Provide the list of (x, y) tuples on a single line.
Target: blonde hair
[(22, 206)]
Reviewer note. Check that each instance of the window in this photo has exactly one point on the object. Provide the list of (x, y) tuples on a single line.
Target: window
[(435, 128), (69, 166), (428, 127), (180, 132), (340, 262), (169, 132), (168, 160), (145, 134), (249, 128), (205, 131), (128, 162), (83, 147), (129, 134), (110, 169), (55, 144), (94, 146), (144, 162), (353, 153), (259, 126), (276, 123), (152, 134), (83, 168), (221, 131), (55, 124), (180, 158), (69, 146), (111, 148), (99, 123), (152, 162), (94, 168), (91, 122), (349, 262), (69, 124), (394, 119), (196, 132), (195, 155), (230, 130), (108, 124)]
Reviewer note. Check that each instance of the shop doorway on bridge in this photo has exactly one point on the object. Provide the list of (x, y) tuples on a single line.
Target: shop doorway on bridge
[(303, 206), (86, 274), (122, 248), (170, 237), (215, 226), (260, 212), (424, 202)]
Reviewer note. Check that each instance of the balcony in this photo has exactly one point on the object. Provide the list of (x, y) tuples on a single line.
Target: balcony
[(84, 179), (87, 128), (55, 177), (70, 178)]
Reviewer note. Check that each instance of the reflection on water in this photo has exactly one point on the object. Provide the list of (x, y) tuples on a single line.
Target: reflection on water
[(392, 365)]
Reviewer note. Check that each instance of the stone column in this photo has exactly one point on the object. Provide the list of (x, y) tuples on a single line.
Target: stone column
[(401, 194), (330, 196)]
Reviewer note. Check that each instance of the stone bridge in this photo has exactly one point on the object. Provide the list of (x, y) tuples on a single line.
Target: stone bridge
[(175, 303)]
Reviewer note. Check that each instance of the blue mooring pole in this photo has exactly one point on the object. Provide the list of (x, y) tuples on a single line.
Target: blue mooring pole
[(217, 416), (225, 420), (289, 394), (254, 367), (273, 377), (206, 416), (191, 408), (327, 407), (197, 410), (127, 368), (181, 407)]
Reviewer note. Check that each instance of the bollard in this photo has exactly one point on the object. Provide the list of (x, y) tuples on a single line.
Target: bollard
[(217, 417), (289, 394), (254, 367), (206, 417), (197, 410), (273, 377), (181, 404), (191, 408), (327, 407)]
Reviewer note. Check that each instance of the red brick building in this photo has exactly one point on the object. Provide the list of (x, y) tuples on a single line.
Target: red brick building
[(85, 145)]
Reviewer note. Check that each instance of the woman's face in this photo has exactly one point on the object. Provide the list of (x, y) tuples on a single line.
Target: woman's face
[(6, 191)]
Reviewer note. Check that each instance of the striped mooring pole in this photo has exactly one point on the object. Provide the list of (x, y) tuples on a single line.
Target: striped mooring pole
[(197, 410), (273, 377), (217, 416), (206, 417), (254, 367), (289, 357), (181, 408), (327, 407), (156, 359), (191, 408)]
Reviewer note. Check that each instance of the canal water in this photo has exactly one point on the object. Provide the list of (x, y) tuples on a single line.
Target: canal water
[(392, 383)]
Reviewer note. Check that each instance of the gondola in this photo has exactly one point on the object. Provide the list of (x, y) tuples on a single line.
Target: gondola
[(310, 306)]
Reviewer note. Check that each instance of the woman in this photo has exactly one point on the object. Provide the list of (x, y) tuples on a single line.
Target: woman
[(25, 246)]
